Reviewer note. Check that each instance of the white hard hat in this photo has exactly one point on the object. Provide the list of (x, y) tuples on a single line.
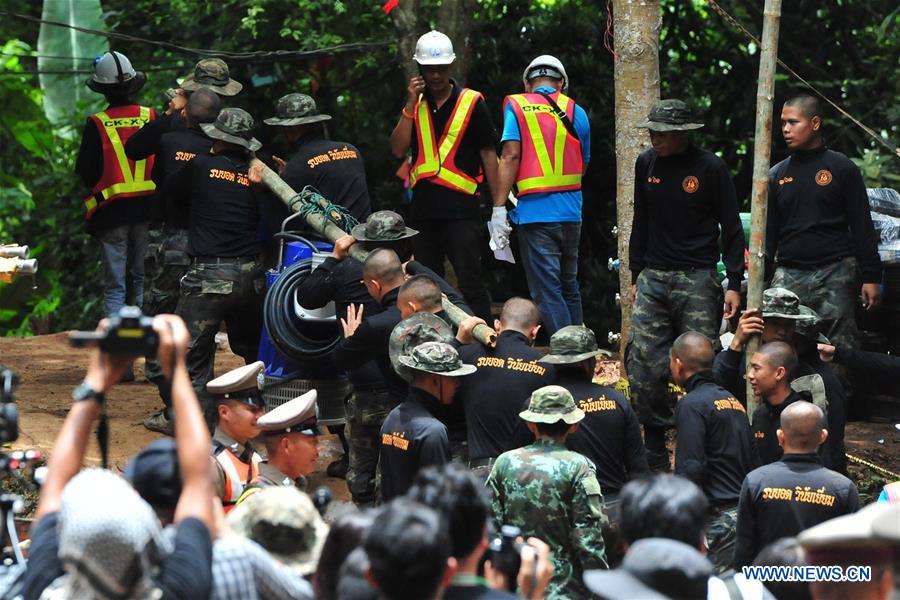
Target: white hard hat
[(113, 69), (546, 65), (434, 48)]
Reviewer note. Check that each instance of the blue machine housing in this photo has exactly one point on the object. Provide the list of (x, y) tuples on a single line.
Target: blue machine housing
[(279, 366)]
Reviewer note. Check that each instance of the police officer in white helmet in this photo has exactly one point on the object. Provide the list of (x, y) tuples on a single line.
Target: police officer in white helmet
[(448, 133)]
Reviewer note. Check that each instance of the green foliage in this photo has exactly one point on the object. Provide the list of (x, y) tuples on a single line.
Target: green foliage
[(849, 50), (65, 95), (878, 170)]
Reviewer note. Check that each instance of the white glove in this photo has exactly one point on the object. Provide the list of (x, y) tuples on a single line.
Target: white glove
[(500, 228)]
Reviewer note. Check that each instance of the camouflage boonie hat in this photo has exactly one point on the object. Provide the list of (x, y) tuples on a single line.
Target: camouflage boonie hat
[(233, 125), (212, 73), (550, 404), (382, 226), (411, 332), (296, 109), (572, 344), (284, 521), (811, 326), (782, 303), (437, 358), (670, 115)]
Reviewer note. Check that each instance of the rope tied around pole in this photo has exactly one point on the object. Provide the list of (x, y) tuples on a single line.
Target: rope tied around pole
[(311, 202)]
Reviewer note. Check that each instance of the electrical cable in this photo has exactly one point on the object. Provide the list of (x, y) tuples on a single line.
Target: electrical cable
[(261, 54), (282, 323), (734, 23)]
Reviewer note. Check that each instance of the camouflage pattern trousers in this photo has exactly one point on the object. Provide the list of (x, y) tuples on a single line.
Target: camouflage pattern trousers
[(721, 535), (229, 291), (668, 303), (165, 264), (831, 291), (366, 412)]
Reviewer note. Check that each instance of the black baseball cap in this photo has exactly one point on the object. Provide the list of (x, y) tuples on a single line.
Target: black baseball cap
[(154, 474), (655, 569)]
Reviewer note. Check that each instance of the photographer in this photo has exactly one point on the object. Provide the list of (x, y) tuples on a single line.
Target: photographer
[(459, 498), (94, 537)]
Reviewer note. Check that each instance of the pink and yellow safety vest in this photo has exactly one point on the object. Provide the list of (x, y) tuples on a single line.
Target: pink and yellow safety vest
[(550, 157)]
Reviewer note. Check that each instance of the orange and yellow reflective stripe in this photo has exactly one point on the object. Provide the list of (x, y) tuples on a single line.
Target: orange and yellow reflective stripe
[(551, 172)]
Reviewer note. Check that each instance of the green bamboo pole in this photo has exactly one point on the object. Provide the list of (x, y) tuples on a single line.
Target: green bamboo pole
[(762, 151), (286, 194)]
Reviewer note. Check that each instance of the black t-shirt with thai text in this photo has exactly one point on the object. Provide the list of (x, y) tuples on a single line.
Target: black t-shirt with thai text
[(224, 210)]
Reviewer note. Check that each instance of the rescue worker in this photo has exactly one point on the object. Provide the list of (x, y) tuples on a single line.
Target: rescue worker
[(770, 373), (422, 294), (412, 437), (170, 260), (209, 73), (225, 279), (335, 169), (782, 317), (548, 214), (339, 279), (118, 203), (796, 492), (714, 446), (493, 425), (882, 367), (682, 195), (822, 382), (448, 132), (820, 233), (609, 434), (552, 493), (290, 434), (239, 403)]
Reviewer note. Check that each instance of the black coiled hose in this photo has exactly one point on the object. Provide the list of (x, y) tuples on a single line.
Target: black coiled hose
[(296, 339)]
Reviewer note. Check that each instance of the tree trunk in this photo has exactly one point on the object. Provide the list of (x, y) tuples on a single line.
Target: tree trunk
[(455, 20), (762, 152), (406, 21), (636, 25)]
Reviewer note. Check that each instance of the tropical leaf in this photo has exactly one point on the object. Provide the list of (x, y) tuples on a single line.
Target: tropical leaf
[(71, 51)]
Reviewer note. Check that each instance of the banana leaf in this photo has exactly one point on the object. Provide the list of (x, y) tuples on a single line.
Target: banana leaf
[(66, 98)]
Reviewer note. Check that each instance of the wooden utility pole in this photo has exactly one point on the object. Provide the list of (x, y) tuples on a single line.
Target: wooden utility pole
[(762, 152), (636, 33)]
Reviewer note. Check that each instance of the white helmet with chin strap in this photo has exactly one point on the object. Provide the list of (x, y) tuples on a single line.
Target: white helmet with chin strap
[(434, 48), (113, 68), (546, 65)]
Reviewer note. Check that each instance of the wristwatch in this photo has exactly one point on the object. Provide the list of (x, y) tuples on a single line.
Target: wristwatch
[(83, 391)]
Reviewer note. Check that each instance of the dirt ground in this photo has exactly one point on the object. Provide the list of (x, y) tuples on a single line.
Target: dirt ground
[(48, 369)]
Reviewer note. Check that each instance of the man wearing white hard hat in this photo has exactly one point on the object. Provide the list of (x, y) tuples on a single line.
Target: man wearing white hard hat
[(117, 205), (448, 133), (546, 148)]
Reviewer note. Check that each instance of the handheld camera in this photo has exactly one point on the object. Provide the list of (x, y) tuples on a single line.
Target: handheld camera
[(129, 333)]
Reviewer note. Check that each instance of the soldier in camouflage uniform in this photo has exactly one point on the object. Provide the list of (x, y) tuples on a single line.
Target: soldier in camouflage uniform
[(552, 493), (682, 196), (225, 280)]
